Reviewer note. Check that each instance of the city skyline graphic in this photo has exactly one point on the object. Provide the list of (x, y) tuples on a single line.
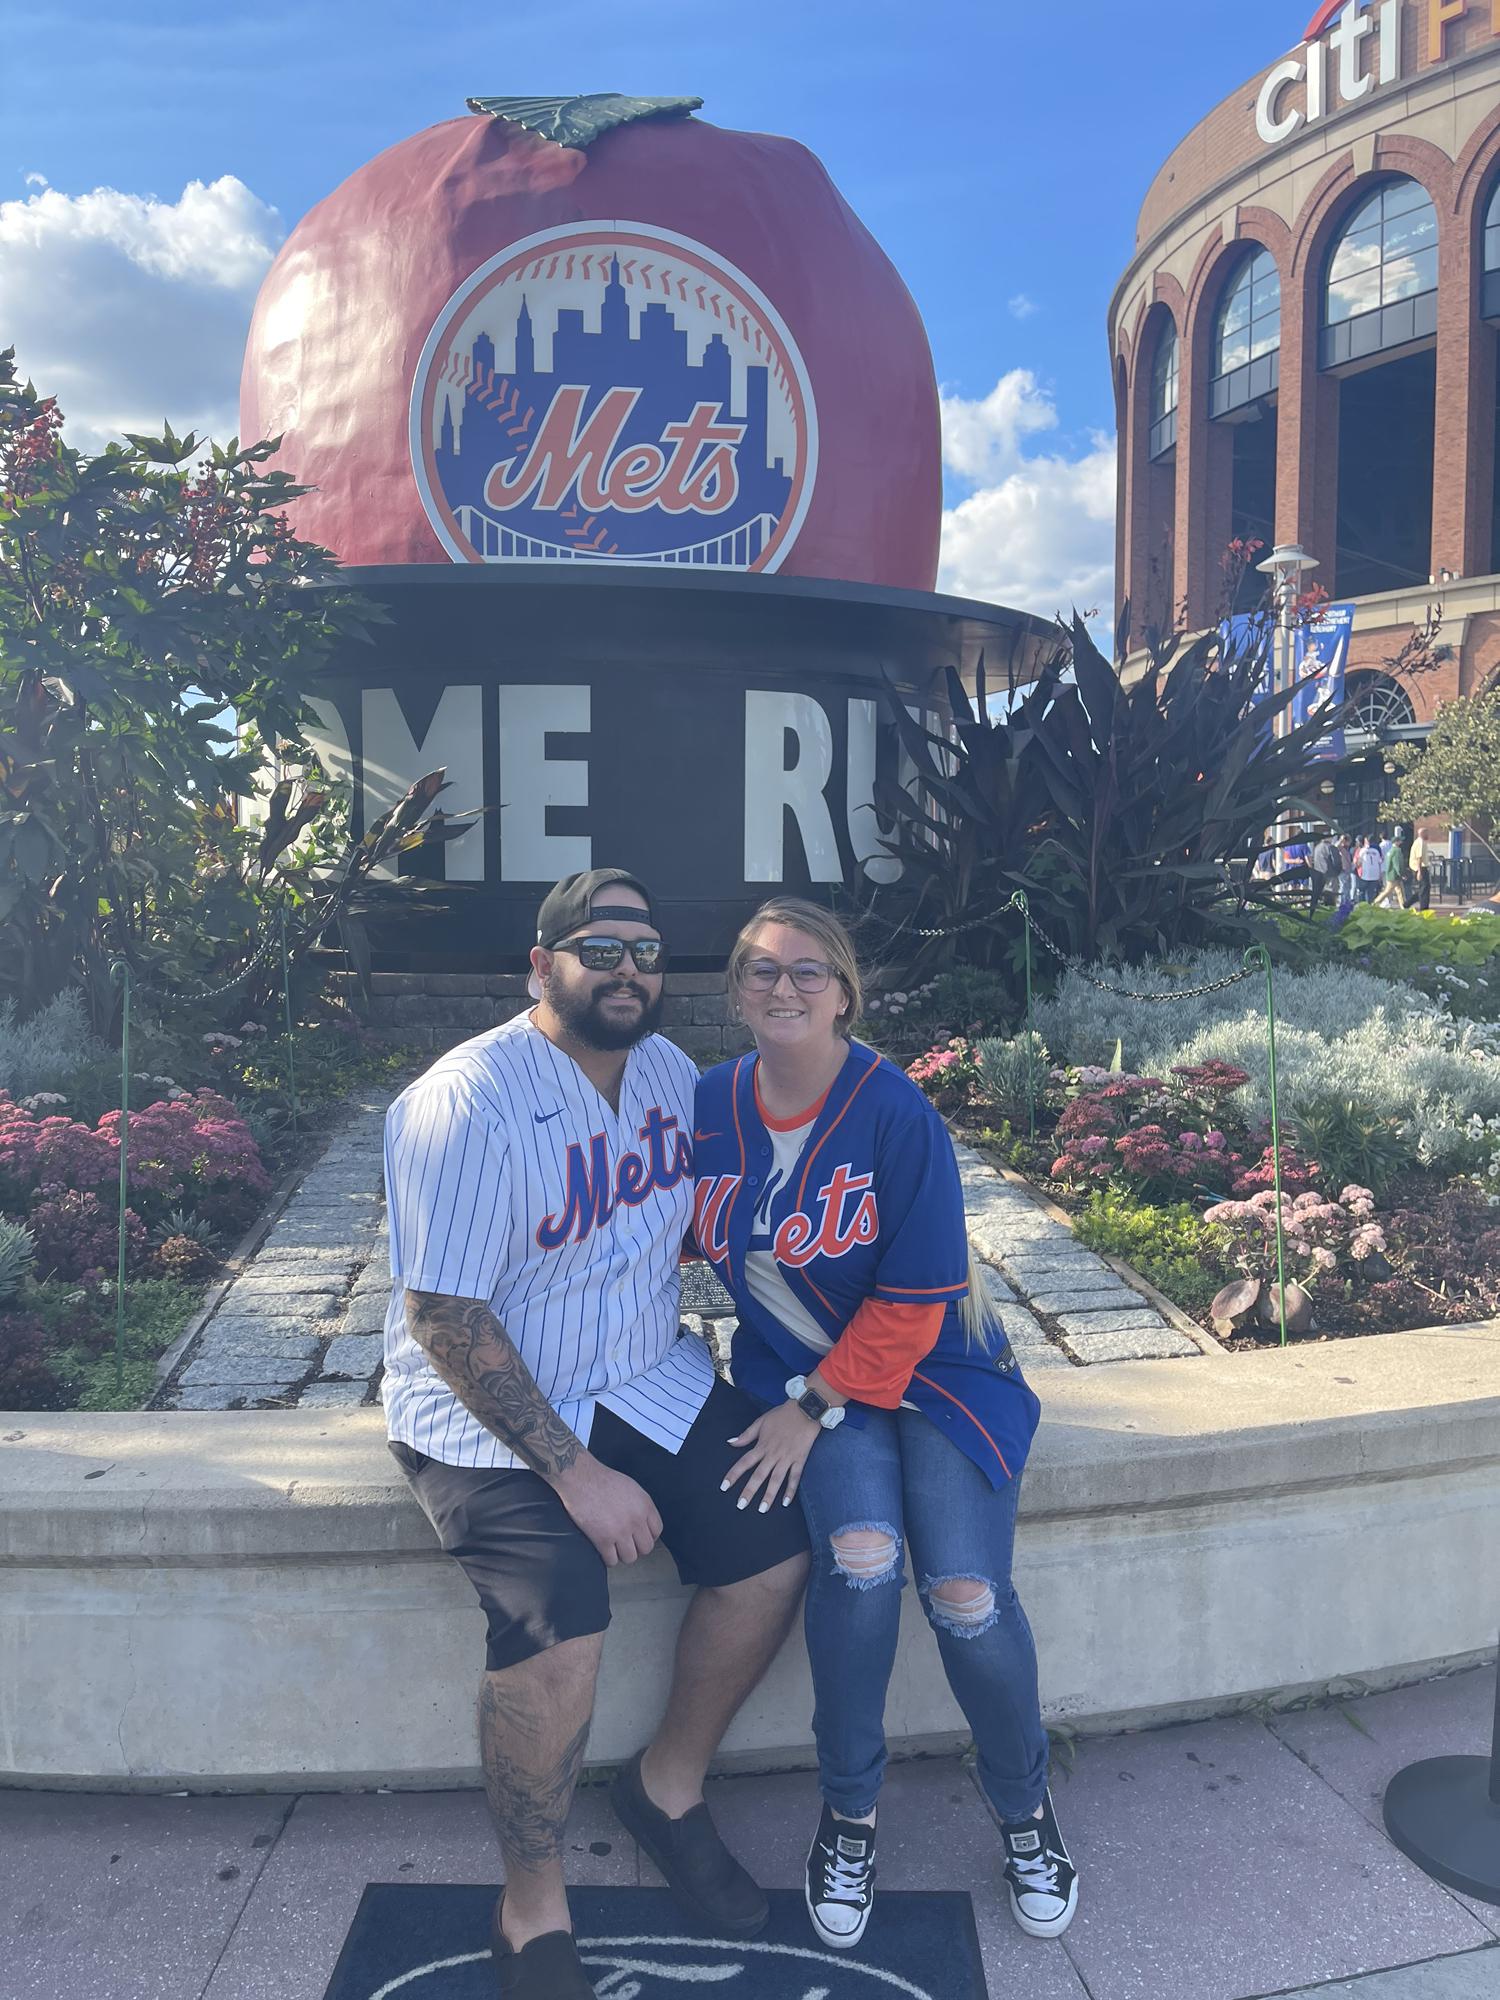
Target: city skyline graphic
[(605, 402)]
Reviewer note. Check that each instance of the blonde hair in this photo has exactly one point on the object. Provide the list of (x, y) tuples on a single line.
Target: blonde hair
[(976, 1309), (832, 937)]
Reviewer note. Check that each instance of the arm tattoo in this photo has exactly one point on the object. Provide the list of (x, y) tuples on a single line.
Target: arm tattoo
[(530, 1801), (476, 1357)]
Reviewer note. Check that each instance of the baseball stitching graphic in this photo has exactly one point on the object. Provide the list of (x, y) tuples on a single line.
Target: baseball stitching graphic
[(611, 391)]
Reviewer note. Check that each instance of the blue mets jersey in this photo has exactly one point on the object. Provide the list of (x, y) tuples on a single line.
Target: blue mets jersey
[(872, 1209)]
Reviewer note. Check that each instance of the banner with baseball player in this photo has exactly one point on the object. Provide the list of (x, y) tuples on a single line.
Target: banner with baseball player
[(1320, 663)]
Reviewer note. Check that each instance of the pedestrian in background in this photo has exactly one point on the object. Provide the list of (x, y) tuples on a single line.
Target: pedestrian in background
[(1348, 876), (1393, 894), (1419, 862), (1325, 869), (1371, 863)]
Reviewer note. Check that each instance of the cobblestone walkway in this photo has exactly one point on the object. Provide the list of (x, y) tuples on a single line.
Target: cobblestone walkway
[(303, 1325)]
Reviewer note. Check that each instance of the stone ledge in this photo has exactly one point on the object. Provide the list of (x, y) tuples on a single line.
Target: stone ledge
[(1185, 1544)]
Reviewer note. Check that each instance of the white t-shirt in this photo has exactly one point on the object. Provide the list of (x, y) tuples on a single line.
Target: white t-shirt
[(510, 1179)]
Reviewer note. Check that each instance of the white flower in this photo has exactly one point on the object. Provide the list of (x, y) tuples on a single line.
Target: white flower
[(42, 1100)]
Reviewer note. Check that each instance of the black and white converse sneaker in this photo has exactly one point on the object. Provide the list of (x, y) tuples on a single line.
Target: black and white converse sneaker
[(1043, 1881), (841, 1880)]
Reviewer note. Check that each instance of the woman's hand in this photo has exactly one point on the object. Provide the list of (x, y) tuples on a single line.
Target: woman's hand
[(779, 1443)]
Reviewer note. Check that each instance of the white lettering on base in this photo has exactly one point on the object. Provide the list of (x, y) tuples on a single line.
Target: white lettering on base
[(530, 781), (771, 788)]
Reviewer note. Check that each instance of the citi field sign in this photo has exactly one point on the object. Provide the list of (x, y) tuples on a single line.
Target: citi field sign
[(613, 392), (1351, 49)]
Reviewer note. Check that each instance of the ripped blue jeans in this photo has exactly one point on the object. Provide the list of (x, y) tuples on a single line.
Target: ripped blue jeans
[(894, 1484)]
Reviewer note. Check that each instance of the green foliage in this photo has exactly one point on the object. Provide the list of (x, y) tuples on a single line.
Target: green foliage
[(147, 597), (1172, 1248), (1457, 774), (79, 1336), (1455, 959), (1352, 1143), (1116, 808), (1013, 1074), (16, 1252)]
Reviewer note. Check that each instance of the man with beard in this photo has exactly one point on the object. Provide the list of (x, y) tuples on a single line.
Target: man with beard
[(553, 1422)]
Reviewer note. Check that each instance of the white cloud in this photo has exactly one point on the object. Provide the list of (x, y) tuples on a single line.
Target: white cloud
[(1022, 307), (36, 180), (1037, 531), (131, 310)]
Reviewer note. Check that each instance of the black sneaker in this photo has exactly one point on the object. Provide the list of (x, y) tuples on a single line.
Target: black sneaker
[(700, 1870), (548, 1968), (841, 1880), (1043, 1881)]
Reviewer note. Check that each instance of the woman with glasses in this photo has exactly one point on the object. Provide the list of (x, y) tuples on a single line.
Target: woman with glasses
[(828, 1201)]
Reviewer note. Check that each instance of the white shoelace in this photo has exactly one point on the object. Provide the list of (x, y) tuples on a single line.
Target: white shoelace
[(1038, 1873), (843, 1879)]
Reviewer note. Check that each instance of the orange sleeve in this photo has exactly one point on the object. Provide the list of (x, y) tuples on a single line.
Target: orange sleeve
[(873, 1359)]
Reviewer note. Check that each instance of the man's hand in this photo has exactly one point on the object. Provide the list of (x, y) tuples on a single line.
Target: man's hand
[(617, 1515)]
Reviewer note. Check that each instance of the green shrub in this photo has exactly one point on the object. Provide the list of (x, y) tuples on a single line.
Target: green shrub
[(1013, 1074), (16, 1252), (80, 1334), (1353, 1144), (1172, 1248), (46, 1051)]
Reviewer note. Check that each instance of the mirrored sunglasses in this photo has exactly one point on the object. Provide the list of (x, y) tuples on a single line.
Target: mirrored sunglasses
[(604, 954)]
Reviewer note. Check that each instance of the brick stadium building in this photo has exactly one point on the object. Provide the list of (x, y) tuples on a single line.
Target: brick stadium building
[(1306, 347)]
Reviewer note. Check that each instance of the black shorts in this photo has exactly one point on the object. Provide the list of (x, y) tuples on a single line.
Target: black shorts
[(539, 1577)]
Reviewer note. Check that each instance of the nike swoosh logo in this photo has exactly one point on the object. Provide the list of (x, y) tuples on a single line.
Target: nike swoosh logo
[(541, 1117), (703, 1137)]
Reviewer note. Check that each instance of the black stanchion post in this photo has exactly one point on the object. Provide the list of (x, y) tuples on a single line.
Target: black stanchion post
[(1444, 1814)]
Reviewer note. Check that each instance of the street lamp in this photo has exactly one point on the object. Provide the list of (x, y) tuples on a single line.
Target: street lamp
[(1285, 565)]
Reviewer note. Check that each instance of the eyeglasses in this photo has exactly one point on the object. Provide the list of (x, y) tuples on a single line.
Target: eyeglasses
[(762, 975), (604, 954)]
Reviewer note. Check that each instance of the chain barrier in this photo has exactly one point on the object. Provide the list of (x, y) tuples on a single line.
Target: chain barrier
[(146, 991)]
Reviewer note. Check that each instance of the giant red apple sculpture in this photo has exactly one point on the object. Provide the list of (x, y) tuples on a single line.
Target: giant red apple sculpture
[(599, 329)]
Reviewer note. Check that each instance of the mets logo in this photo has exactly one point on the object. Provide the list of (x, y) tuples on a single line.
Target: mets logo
[(612, 392)]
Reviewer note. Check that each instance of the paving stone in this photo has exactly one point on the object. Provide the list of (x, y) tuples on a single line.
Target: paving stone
[(994, 1284), (331, 1262), (1085, 1298), (206, 1399), (702, 1292), (1022, 1328), (295, 1292), (243, 1371), (321, 1229), (1142, 1343), (321, 1202), (333, 1395), (288, 1339), (1122, 1320), (357, 1354), (367, 1314)]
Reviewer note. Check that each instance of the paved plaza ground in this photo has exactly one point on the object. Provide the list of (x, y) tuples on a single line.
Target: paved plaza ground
[(1220, 1860)]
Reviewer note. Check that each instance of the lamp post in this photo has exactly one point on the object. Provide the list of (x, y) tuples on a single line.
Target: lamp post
[(1285, 565), (1444, 1814)]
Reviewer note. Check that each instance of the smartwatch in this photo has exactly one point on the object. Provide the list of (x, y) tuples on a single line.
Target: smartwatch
[(828, 1416)]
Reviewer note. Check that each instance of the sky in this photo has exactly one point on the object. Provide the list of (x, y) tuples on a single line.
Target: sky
[(154, 153)]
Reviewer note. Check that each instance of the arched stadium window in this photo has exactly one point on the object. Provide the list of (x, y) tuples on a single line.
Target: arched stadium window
[(1247, 336), (1164, 393), (1378, 705), (1490, 307), (1381, 290)]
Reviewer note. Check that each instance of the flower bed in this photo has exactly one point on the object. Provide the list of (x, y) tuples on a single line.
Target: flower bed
[(210, 1128), (1153, 1131)]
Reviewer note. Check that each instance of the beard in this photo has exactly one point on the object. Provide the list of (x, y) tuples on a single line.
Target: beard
[(583, 1017)]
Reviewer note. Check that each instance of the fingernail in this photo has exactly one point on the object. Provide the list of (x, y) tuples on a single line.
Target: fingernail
[(765, 1506), (725, 1487), (787, 1501), (742, 1504)]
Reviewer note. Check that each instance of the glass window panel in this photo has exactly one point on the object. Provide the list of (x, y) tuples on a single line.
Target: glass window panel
[(1234, 350), (1265, 336), (1236, 313), (1492, 215), (1412, 232), (1266, 295), (1357, 252), (1492, 247), (1263, 268), (1397, 197), (1353, 296), (1398, 324)]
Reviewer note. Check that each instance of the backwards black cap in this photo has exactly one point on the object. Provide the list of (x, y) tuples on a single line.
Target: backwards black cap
[(571, 904)]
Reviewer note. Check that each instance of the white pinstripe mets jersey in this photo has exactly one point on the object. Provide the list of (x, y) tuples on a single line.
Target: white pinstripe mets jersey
[(509, 1178)]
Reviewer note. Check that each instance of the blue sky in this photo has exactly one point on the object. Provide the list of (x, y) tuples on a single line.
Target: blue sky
[(998, 150)]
